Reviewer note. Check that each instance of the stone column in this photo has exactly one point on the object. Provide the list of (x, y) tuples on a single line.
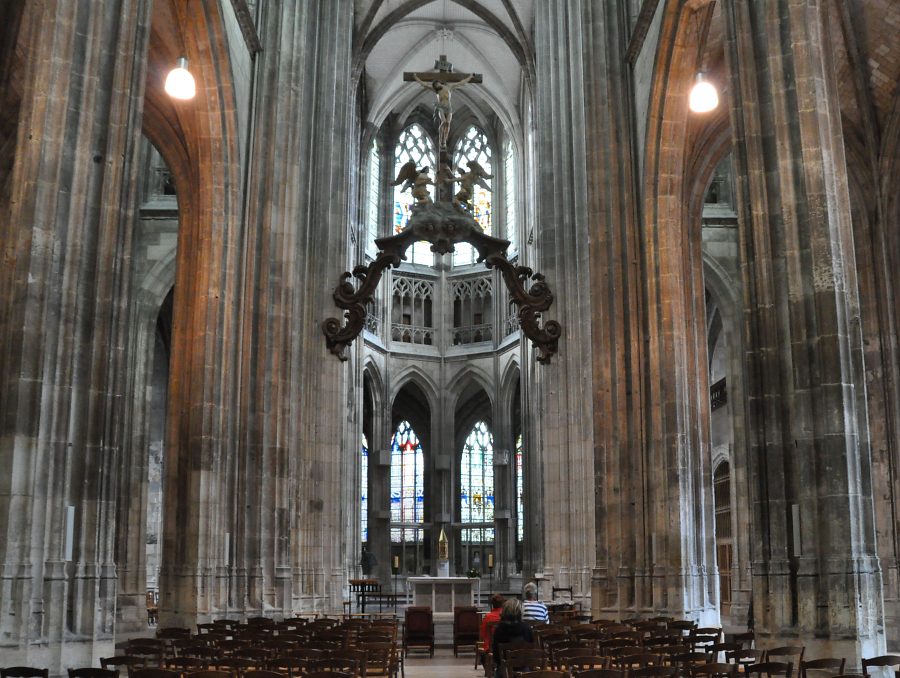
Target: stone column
[(630, 291), (561, 449), (64, 285), (299, 439), (815, 572)]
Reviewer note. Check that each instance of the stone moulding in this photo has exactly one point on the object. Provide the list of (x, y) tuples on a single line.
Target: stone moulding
[(443, 225)]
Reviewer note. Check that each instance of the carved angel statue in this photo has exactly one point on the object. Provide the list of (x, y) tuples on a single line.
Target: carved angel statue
[(475, 175), (415, 179)]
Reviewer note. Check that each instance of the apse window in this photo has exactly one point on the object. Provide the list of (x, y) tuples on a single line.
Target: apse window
[(407, 497), (477, 486), (473, 146), (414, 145)]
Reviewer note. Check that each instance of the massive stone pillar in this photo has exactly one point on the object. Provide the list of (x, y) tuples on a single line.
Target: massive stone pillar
[(64, 284), (299, 439), (561, 445), (627, 295), (815, 572)]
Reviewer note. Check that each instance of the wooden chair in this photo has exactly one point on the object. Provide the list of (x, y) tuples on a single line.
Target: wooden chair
[(794, 652), (713, 651), (883, 661), (381, 659), (332, 665), (581, 663), (745, 657), (306, 653), (701, 638), (92, 672), (654, 672), (747, 638), (115, 663), (503, 649), (210, 674), (636, 660), (544, 673), (683, 625), (418, 631), (291, 666), (236, 665), (831, 666), (599, 673), (516, 662), (466, 631), (257, 654), (185, 664), (328, 674), (560, 654), (769, 669), (24, 672), (714, 670), (155, 673)]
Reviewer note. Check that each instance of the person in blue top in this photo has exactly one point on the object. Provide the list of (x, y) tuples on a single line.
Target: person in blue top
[(532, 609)]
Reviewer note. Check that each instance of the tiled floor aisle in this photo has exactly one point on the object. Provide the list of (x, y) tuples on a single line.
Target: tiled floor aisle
[(443, 665)]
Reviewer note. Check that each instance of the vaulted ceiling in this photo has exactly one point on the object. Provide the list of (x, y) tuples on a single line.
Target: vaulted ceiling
[(491, 37)]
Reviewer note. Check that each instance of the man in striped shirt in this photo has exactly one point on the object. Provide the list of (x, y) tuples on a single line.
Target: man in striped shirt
[(532, 609)]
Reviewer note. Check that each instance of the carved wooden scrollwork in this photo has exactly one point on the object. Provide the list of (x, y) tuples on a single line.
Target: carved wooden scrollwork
[(443, 225)]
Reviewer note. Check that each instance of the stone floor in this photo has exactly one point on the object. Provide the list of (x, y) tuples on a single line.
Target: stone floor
[(443, 665)]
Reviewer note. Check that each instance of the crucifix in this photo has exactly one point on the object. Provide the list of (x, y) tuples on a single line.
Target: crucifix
[(442, 81)]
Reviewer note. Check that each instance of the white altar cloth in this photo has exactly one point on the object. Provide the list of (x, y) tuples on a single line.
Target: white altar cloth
[(442, 594)]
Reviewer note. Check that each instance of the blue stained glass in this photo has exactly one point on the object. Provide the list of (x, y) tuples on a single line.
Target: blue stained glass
[(476, 484), (520, 491), (414, 144), (473, 145), (364, 489), (407, 482)]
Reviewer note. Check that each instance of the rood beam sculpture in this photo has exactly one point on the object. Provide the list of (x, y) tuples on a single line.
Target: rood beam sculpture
[(443, 224)]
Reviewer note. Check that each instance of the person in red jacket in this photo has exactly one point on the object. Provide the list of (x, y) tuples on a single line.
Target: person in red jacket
[(492, 616)]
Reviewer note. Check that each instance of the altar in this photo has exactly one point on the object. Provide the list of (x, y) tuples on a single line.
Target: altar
[(442, 594)]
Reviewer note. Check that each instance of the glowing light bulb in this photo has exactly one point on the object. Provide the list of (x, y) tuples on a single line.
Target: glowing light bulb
[(704, 96), (180, 82)]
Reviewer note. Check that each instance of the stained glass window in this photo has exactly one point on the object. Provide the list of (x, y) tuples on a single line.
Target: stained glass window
[(364, 489), (520, 492), (474, 146), (414, 144), (476, 485), (374, 192), (509, 175), (407, 485)]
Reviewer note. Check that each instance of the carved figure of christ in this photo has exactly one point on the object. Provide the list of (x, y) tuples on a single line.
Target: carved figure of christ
[(442, 83)]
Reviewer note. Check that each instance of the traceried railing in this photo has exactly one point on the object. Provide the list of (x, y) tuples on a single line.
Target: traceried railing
[(412, 334), (472, 334)]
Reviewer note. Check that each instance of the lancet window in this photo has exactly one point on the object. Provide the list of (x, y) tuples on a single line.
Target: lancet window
[(373, 195), (520, 491), (414, 144), (476, 482), (724, 541), (364, 489), (473, 146), (407, 485), (509, 179)]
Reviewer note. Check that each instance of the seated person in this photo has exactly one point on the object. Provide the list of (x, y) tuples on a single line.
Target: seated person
[(534, 610), (510, 628), (492, 616)]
